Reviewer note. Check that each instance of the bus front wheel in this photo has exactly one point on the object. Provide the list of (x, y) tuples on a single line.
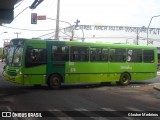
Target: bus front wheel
[(54, 82), (124, 79)]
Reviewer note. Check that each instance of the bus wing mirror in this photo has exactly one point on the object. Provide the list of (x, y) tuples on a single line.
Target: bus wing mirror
[(4, 67)]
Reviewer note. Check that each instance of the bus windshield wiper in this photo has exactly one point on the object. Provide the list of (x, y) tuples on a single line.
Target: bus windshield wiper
[(14, 54)]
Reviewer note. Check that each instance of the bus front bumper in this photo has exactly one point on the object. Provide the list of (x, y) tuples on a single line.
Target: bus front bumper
[(15, 79)]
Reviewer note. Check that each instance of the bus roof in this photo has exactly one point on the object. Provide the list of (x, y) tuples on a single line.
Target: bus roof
[(94, 44)]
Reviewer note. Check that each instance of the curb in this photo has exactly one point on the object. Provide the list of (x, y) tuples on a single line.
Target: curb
[(157, 87)]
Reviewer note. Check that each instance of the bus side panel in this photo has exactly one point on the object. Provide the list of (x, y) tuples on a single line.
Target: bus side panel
[(35, 75), (86, 72), (137, 71), (144, 71)]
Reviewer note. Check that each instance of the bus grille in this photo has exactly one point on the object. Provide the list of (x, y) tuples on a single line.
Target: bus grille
[(11, 72)]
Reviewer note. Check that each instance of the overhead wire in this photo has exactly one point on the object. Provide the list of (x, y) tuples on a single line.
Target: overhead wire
[(19, 4), (26, 29), (52, 33), (65, 33), (46, 34), (20, 12)]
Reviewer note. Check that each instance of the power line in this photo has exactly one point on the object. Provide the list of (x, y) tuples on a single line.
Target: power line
[(21, 12), (65, 34), (52, 33), (33, 6), (19, 4), (46, 34), (29, 29), (26, 29), (60, 21)]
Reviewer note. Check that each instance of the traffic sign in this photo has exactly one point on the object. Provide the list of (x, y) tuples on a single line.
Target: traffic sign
[(41, 17)]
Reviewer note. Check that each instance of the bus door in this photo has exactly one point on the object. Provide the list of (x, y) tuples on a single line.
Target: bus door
[(59, 56)]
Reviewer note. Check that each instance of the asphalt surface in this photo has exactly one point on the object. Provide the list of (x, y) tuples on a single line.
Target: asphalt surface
[(157, 85)]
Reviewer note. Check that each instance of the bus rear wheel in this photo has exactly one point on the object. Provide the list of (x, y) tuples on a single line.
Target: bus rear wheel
[(124, 79), (54, 82)]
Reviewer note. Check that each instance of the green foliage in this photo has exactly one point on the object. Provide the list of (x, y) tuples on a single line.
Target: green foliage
[(2, 55), (1, 52)]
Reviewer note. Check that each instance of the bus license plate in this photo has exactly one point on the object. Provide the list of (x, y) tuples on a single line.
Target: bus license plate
[(11, 77)]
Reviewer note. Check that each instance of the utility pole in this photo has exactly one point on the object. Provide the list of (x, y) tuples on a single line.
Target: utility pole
[(17, 34), (137, 42), (57, 21), (138, 31), (77, 22)]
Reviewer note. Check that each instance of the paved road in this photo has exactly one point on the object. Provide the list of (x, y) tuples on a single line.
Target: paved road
[(1, 66)]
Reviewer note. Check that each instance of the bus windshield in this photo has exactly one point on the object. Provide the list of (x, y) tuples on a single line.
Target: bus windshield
[(14, 56)]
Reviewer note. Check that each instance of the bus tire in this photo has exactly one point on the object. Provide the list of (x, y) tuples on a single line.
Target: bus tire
[(124, 79), (54, 81)]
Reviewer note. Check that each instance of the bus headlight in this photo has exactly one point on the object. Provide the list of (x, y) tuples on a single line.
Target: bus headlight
[(20, 72)]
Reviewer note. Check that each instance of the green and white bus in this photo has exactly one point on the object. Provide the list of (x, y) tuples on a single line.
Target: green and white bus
[(52, 62)]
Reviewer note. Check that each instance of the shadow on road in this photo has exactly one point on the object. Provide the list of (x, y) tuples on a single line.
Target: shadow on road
[(82, 86), (68, 86)]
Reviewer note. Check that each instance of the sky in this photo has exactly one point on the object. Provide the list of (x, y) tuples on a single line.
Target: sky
[(134, 13)]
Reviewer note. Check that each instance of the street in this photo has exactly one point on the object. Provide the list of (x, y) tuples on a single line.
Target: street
[(83, 100)]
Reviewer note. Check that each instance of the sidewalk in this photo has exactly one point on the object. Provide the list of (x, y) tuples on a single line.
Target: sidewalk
[(2, 63), (157, 86), (1, 66)]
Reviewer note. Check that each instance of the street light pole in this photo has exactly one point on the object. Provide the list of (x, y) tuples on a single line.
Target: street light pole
[(148, 27), (138, 31)]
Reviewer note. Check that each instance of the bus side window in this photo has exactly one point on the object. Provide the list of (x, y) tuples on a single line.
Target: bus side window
[(92, 54), (129, 58), (75, 55), (111, 55), (72, 54), (35, 57), (134, 55), (148, 56), (79, 53), (84, 54), (105, 55), (117, 55), (60, 53), (42, 55), (65, 53), (129, 55), (98, 54)]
